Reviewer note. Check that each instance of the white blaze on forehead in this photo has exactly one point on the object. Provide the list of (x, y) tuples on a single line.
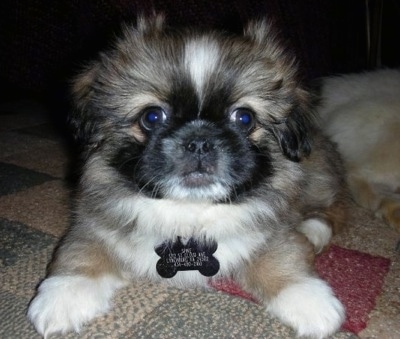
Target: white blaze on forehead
[(201, 59)]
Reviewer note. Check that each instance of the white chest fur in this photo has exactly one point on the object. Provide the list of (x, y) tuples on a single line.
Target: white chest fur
[(233, 226)]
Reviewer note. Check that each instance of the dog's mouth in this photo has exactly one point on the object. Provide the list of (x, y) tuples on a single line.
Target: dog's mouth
[(195, 185), (197, 179)]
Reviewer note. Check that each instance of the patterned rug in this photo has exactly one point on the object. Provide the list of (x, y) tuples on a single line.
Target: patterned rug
[(346, 271), (362, 266)]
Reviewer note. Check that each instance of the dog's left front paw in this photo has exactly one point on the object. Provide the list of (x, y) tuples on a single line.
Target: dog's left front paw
[(309, 307)]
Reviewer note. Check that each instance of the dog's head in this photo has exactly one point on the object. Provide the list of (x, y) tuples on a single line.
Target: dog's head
[(197, 116)]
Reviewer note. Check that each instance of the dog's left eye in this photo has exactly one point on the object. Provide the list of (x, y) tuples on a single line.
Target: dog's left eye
[(243, 118), (152, 117)]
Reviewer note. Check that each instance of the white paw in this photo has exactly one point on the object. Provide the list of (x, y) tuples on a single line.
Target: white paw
[(309, 307), (65, 303), (317, 232)]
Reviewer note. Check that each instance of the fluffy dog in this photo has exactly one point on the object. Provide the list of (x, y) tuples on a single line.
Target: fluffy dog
[(201, 162), (361, 113)]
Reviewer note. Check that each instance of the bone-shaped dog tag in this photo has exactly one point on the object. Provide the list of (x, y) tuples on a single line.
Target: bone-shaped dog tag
[(194, 255)]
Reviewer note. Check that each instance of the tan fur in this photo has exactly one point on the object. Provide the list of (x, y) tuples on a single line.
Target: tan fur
[(338, 214), (89, 259), (279, 266), (389, 210), (82, 88), (337, 209), (374, 180), (138, 133), (361, 113), (376, 199)]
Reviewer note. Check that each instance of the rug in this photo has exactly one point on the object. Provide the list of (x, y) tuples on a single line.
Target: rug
[(348, 272)]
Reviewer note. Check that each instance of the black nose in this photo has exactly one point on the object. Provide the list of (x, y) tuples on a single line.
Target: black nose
[(200, 146)]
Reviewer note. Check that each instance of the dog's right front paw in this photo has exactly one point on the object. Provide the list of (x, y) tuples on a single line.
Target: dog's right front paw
[(65, 303), (309, 307)]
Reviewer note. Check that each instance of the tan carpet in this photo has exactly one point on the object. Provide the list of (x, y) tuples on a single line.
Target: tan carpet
[(34, 213)]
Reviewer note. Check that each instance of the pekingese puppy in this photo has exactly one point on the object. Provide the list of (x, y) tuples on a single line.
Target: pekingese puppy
[(361, 113), (201, 161)]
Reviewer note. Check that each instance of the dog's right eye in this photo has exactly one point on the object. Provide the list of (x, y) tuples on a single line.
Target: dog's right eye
[(152, 117)]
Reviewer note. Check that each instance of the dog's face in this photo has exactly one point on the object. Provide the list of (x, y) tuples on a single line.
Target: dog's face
[(193, 116)]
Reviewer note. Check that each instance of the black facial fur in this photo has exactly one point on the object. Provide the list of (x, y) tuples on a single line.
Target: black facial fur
[(196, 149), (143, 167)]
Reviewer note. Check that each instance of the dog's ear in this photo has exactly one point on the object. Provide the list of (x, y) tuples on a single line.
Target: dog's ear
[(84, 124), (294, 133), (293, 136), (86, 117)]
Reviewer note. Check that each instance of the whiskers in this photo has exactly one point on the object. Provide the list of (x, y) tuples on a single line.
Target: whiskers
[(151, 187)]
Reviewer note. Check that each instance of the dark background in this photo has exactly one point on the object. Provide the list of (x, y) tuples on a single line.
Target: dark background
[(43, 43)]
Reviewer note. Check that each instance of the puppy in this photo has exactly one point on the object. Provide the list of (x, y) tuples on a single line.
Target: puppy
[(361, 113), (198, 165)]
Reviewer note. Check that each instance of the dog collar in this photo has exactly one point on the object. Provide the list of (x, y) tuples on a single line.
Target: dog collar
[(192, 256)]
